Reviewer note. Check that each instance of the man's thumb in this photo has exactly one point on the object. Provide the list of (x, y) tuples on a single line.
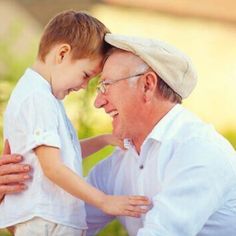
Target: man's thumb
[(6, 148)]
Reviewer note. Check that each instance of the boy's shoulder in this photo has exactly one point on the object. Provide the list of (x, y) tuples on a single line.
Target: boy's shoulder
[(31, 84), (30, 90)]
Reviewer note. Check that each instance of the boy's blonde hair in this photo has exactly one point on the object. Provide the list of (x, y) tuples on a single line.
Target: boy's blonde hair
[(84, 33)]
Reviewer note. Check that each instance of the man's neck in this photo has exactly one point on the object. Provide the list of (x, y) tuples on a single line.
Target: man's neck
[(152, 119)]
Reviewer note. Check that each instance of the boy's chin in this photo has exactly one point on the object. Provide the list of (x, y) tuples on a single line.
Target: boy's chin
[(60, 96)]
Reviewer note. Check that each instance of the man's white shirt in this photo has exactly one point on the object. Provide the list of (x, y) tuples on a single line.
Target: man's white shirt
[(188, 171)]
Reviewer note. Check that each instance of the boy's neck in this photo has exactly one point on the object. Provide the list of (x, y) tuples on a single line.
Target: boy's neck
[(42, 68)]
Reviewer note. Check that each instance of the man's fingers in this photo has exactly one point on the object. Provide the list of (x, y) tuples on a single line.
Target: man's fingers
[(14, 178), (6, 148), (15, 188), (14, 168), (14, 158)]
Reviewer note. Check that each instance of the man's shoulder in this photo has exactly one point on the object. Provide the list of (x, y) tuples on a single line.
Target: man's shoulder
[(187, 130), (187, 126)]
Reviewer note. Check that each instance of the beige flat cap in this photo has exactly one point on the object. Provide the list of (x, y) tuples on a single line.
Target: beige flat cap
[(170, 64)]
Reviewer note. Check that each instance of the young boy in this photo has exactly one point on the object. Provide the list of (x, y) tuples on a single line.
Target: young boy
[(71, 52)]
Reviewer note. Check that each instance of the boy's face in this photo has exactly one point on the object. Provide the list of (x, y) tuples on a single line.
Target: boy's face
[(73, 75)]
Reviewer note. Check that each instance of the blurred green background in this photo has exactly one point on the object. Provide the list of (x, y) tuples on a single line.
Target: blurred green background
[(202, 29)]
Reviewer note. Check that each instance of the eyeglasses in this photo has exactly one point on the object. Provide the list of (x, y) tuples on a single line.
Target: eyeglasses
[(102, 85)]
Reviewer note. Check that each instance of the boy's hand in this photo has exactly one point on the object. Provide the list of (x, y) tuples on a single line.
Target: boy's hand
[(110, 139), (133, 206)]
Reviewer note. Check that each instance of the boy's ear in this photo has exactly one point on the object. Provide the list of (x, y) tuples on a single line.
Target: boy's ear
[(62, 52)]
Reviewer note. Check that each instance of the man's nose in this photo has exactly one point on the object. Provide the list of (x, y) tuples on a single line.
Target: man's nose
[(100, 100)]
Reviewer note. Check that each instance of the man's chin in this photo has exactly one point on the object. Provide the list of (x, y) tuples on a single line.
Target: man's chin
[(118, 134)]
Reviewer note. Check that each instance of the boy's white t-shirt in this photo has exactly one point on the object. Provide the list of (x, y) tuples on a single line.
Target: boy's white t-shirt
[(35, 117)]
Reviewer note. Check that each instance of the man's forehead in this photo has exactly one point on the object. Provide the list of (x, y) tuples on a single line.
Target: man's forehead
[(118, 63), (120, 55), (111, 67)]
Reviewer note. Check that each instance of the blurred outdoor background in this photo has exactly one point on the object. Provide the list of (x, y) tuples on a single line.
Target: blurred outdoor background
[(203, 29)]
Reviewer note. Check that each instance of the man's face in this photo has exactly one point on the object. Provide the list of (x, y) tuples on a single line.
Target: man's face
[(122, 99)]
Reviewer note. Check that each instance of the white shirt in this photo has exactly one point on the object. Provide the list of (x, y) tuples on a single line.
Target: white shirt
[(35, 117), (188, 171)]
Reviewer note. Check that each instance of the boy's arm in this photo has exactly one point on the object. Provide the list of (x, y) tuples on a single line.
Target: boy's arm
[(94, 144), (57, 172)]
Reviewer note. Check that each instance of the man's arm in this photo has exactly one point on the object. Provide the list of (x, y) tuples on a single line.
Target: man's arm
[(12, 173)]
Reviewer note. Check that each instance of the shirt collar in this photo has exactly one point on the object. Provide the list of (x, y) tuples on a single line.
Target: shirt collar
[(159, 131), (128, 143), (30, 73)]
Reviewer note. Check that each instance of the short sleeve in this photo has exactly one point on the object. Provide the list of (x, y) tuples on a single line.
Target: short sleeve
[(39, 121)]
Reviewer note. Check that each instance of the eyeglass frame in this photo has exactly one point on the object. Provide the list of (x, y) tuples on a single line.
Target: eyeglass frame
[(101, 88)]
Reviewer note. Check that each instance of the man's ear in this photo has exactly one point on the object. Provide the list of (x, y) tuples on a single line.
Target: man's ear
[(62, 52), (150, 85)]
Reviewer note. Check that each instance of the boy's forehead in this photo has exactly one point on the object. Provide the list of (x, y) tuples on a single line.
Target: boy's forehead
[(95, 66)]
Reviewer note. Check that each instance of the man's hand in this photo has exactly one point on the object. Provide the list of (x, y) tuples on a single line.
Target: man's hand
[(12, 173)]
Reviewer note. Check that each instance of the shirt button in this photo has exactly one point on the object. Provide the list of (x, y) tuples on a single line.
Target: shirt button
[(141, 167), (37, 132)]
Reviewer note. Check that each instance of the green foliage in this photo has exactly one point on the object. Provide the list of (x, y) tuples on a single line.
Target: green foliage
[(12, 64), (4, 233), (231, 136), (85, 120), (92, 160), (113, 229)]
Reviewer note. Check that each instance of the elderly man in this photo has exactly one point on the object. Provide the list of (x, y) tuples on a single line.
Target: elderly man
[(186, 168)]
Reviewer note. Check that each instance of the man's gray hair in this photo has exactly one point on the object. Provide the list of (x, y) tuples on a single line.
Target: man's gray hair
[(167, 92), (142, 68)]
